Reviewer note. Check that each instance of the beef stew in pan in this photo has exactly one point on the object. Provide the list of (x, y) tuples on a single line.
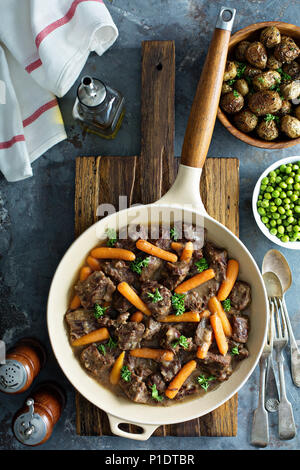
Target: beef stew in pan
[(159, 319)]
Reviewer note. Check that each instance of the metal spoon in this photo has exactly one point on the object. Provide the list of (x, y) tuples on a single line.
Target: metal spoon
[(275, 262)]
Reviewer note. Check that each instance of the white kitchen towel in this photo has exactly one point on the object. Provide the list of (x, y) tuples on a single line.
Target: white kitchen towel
[(45, 44)]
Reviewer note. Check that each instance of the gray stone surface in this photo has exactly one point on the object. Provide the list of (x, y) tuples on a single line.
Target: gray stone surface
[(37, 215)]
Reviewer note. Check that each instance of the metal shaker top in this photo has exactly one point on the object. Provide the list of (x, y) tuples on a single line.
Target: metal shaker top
[(30, 428), (13, 376), (91, 92)]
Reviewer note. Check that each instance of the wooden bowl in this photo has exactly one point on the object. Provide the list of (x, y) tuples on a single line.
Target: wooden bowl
[(252, 33)]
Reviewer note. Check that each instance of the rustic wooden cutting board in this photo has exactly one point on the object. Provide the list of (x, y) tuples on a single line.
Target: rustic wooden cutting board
[(145, 179)]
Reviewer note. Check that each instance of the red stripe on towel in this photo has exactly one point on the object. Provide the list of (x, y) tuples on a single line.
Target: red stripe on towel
[(56, 24), (39, 111), (12, 141), (34, 65)]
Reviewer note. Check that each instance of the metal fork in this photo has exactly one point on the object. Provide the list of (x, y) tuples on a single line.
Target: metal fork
[(286, 422), (260, 424)]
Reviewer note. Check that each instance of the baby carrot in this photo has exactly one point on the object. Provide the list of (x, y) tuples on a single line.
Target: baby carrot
[(184, 317), (116, 370), (187, 253), (103, 252), (137, 317), (231, 275), (219, 333), (92, 337), (154, 250), (93, 263), (180, 378), (195, 281), (75, 302), (84, 273), (155, 354), (125, 289)]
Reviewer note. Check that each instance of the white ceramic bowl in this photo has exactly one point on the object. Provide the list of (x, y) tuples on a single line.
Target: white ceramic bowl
[(261, 225)]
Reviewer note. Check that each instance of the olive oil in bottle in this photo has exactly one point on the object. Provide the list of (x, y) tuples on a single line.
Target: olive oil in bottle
[(99, 108)]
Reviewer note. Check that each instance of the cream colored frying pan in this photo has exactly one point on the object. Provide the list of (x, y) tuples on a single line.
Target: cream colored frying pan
[(182, 200)]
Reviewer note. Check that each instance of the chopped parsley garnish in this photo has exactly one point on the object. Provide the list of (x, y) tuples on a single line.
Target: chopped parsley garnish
[(178, 303), (231, 82), (99, 311), (235, 351), (101, 348), (226, 305), (271, 117), (112, 236), (201, 265), (126, 374), (260, 79), (236, 93), (205, 381), (138, 264), (183, 342), (154, 393), (174, 234), (241, 69), (156, 297), (111, 344), (284, 76)]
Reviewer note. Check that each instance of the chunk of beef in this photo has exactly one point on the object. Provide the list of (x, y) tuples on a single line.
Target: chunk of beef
[(160, 236), (120, 303), (188, 388), (194, 301), (197, 256), (169, 369), (157, 379), (243, 352), (95, 362), (240, 296), (140, 366), (240, 328), (135, 389), (203, 332), (217, 259), (175, 273), (217, 365), (169, 335), (129, 335), (96, 289), (81, 322), (152, 270), (152, 328), (118, 270), (159, 308)]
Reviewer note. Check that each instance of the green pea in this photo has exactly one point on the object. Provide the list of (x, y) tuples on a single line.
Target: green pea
[(297, 209), (289, 193), (290, 180), (283, 185), (283, 195), (297, 178), (278, 179), (265, 180), (278, 221), (296, 228), (265, 220), (289, 228), (272, 173), (290, 219), (289, 212), (265, 203), (292, 205), (261, 211), (295, 167), (272, 180), (282, 168), (285, 238), (281, 210), (294, 197), (272, 222), (270, 189), (267, 196), (281, 229), (275, 216), (273, 231), (263, 187), (278, 201), (268, 225), (288, 170), (296, 186), (273, 208), (290, 186), (275, 193), (287, 206)]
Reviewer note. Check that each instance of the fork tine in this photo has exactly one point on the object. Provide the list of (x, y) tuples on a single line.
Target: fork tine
[(271, 326), (283, 318)]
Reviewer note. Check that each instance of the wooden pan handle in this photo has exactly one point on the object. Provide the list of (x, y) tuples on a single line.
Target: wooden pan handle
[(205, 105)]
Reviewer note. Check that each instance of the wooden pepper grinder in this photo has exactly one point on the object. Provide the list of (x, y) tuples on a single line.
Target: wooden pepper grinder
[(22, 364), (33, 424)]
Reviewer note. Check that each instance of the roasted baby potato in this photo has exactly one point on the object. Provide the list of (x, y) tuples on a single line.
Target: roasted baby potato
[(230, 71), (232, 102), (241, 49), (270, 36), (286, 108), (290, 125), (273, 63), (265, 102), (245, 120), (226, 88), (287, 50), (241, 86), (251, 72), (266, 80), (292, 69), (267, 130), (256, 55), (291, 90)]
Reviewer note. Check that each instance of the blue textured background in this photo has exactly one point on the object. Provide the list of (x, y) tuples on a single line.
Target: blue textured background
[(37, 214)]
